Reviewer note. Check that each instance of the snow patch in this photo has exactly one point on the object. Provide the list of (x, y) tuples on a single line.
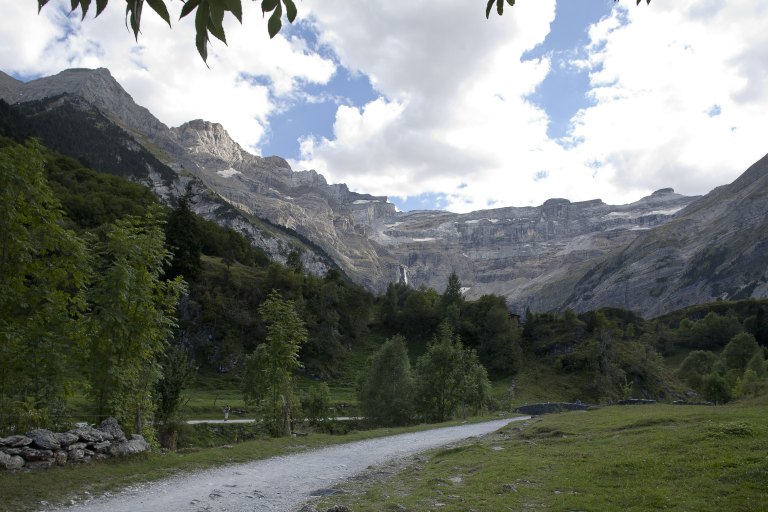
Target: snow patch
[(670, 211), (477, 221), (424, 239), (364, 201), (228, 173)]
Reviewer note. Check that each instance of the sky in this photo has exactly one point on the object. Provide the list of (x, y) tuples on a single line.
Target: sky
[(432, 105)]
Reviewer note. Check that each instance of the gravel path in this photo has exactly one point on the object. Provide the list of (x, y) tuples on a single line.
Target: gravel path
[(279, 483)]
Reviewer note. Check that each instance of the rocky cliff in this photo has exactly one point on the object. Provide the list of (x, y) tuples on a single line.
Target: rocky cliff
[(715, 248), (560, 254)]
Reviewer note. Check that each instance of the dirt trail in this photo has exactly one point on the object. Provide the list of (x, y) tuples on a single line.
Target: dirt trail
[(279, 483)]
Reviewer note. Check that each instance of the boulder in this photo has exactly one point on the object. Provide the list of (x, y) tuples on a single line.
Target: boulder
[(15, 463), (60, 457), (44, 439), (31, 454), (88, 434), (339, 508), (66, 439), (137, 444), (15, 441), (102, 447), (75, 454), (4, 457), (112, 427)]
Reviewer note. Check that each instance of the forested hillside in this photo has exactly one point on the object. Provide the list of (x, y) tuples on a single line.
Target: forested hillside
[(112, 303)]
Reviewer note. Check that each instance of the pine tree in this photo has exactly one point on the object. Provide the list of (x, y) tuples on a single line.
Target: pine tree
[(386, 387)]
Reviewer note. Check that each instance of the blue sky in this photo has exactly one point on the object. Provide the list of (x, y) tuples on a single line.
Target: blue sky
[(557, 98)]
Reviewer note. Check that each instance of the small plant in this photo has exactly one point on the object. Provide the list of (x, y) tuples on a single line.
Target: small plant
[(731, 429)]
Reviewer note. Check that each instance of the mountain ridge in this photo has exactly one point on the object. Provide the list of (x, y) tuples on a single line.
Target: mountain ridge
[(546, 257)]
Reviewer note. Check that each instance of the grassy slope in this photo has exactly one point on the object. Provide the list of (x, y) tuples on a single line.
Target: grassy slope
[(616, 458)]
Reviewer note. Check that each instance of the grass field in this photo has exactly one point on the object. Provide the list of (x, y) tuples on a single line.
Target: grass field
[(636, 458)]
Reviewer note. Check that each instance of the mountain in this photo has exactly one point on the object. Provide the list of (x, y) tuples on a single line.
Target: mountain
[(715, 248), (559, 254), (9, 87)]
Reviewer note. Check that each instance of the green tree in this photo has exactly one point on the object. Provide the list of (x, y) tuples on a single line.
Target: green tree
[(738, 352), (715, 389), (757, 365), (43, 272), (182, 234), (710, 333), (267, 380), (386, 386), (448, 377), (488, 327), (452, 302), (177, 373), (133, 314), (696, 365), (316, 403)]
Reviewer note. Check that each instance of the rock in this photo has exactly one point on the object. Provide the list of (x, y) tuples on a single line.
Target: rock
[(15, 441), (102, 447), (137, 444), (112, 427), (6, 461), (45, 439), (66, 439), (31, 454), (60, 457), (339, 508), (88, 434), (75, 454), (636, 401), (16, 462), (78, 446), (552, 407), (308, 508), (509, 488)]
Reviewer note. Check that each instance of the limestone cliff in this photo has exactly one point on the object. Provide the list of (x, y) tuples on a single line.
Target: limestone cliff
[(653, 255)]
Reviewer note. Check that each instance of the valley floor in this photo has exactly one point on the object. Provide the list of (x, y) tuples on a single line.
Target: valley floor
[(618, 458), (279, 483)]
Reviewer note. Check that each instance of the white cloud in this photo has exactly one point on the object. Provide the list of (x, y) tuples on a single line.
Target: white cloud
[(656, 79), (464, 118), (452, 117)]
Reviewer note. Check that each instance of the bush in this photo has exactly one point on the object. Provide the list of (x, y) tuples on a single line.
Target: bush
[(715, 389)]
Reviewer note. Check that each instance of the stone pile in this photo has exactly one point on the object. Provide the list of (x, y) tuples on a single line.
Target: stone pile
[(41, 449), (552, 407)]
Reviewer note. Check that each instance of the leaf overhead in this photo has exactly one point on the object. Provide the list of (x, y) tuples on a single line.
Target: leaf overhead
[(189, 6), (500, 5), (274, 24), (290, 10), (209, 16), (159, 7)]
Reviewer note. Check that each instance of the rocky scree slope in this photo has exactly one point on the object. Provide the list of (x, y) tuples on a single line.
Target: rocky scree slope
[(87, 115), (715, 248)]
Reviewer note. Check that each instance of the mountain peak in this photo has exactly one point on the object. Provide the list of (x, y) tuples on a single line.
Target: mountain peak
[(9, 87), (205, 137), (98, 87)]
